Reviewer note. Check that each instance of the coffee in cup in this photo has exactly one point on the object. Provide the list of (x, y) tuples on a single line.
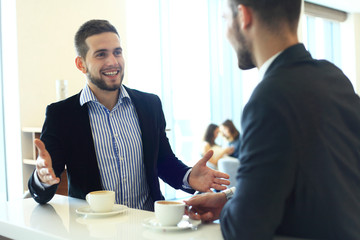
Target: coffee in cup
[(101, 201), (169, 213)]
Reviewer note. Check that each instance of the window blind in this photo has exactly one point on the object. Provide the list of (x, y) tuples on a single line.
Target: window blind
[(324, 12)]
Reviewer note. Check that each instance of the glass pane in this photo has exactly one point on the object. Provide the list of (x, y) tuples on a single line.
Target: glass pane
[(190, 65), (3, 181), (323, 39)]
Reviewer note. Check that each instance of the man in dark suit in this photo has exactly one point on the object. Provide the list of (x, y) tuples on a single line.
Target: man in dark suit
[(300, 153), (109, 136)]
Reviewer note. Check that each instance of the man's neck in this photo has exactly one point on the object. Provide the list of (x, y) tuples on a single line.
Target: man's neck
[(270, 44), (106, 98)]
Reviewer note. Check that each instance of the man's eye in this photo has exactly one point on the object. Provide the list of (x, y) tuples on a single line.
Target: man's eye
[(100, 54), (117, 53)]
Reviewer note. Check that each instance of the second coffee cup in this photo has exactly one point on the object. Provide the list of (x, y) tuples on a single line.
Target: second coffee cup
[(101, 201), (169, 213)]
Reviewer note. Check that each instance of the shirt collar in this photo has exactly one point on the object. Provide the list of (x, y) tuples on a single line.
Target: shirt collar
[(266, 65), (87, 95)]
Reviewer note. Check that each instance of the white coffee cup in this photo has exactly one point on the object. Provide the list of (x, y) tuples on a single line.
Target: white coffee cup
[(169, 213), (101, 201)]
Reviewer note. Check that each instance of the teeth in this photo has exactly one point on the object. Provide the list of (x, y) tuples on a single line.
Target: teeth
[(110, 73)]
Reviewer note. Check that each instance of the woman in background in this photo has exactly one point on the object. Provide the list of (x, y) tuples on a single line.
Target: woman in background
[(211, 134), (232, 135)]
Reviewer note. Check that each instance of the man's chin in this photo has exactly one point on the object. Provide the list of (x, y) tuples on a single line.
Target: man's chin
[(112, 88), (246, 66), (245, 62), (107, 87), (245, 59)]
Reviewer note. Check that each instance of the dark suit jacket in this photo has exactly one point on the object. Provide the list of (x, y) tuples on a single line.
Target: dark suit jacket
[(300, 155), (68, 138)]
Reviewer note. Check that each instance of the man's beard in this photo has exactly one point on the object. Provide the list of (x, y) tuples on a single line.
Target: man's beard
[(101, 84), (245, 60)]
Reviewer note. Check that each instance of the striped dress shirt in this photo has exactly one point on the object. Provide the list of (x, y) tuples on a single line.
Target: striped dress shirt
[(118, 147)]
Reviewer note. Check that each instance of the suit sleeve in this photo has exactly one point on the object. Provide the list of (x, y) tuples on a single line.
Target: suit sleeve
[(266, 175), (51, 137)]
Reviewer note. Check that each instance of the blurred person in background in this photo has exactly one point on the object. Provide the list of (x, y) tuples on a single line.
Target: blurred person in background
[(232, 135), (211, 133)]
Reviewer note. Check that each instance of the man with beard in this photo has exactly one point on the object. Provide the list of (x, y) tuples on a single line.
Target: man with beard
[(300, 154), (109, 136)]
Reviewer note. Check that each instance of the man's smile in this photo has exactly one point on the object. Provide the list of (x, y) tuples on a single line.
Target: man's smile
[(110, 73)]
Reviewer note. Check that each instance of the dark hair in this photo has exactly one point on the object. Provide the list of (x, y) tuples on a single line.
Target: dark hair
[(88, 29), (209, 134), (230, 125), (273, 13)]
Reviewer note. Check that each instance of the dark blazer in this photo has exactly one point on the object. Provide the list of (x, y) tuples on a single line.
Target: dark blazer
[(300, 155), (67, 136)]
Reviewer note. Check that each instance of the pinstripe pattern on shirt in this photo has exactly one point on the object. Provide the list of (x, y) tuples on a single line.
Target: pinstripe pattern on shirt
[(119, 151)]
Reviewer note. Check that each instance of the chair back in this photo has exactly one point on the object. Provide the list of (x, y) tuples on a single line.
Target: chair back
[(229, 165)]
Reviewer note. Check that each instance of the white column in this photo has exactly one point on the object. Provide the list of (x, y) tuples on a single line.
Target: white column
[(350, 33), (11, 99)]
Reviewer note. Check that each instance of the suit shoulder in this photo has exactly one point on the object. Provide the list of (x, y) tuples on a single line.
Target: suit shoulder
[(66, 104)]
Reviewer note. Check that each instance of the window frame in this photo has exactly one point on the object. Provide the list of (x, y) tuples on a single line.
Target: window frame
[(3, 172)]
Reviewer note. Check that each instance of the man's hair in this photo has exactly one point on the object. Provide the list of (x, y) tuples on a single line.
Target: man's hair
[(273, 13), (89, 29)]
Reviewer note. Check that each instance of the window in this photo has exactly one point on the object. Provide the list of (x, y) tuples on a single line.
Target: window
[(179, 51), (10, 156), (322, 32), (3, 178), (322, 39), (189, 64)]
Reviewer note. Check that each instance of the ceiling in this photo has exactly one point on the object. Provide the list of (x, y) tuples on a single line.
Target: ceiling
[(344, 5)]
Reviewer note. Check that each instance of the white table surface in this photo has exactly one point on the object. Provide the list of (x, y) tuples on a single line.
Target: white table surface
[(26, 219)]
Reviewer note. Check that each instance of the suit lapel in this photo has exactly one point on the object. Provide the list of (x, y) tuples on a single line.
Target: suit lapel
[(144, 123), (86, 142), (139, 107)]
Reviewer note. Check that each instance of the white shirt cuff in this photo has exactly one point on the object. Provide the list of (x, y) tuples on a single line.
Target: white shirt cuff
[(186, 184), (38, 183), (229, 192)]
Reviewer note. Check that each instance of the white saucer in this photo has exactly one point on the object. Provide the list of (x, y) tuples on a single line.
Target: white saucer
[(185, 223), (87, 211)]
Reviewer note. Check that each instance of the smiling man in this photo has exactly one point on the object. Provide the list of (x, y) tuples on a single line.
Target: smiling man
[(109, 136)]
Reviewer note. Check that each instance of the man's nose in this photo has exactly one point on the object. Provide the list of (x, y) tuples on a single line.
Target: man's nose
[(112, 60)]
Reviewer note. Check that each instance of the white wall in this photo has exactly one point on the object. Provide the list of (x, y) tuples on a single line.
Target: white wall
[(351, 49), (46, 30), (11, 98), (356, 18)]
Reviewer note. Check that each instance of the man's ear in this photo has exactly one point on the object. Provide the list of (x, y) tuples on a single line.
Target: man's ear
[(245, 16), (80, 64)]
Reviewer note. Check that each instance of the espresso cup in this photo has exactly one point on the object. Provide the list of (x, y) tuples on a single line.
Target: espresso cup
[(169, 213), (101, 201)]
